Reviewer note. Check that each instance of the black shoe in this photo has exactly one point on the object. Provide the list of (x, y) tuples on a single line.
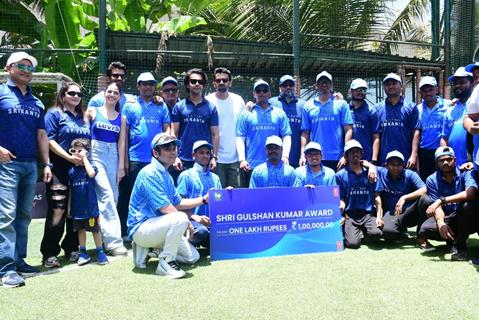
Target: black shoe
[(458, 255)]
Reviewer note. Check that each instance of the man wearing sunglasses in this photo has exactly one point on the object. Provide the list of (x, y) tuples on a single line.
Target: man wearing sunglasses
[(230, 106), (116, 72), (194, 118), (22, 133), (169, 92)]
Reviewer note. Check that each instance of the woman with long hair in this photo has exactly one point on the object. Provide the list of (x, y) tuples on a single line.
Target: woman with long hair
[(63, 122), (108, 129)]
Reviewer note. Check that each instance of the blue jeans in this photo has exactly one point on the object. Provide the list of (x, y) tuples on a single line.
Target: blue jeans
[(17, 189)]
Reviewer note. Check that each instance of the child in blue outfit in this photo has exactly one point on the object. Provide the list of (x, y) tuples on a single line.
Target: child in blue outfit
[(83, 202)]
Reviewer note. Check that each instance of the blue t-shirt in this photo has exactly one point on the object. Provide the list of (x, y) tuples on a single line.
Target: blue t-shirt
[(453, 130), (20, 119), (408, 182), (105, 130), (365, 125), (194, 183), (195, 124), (267, 175), (256, 126), (154, 188), (305, 176), (99, 99), (357, 192), (294, 111), (431, 122), (397, 125), (438, 187), (325, 123), (84, 203), (145, 120), (64, 127)]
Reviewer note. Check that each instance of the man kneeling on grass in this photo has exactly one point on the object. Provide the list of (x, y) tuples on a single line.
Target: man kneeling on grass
[(153, 218)]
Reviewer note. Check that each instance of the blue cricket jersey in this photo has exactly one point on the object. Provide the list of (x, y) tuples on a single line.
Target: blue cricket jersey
[(365, 125), (266, 175), (453, 130)]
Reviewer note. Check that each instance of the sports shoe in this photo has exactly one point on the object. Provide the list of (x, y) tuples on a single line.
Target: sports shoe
[(119, 251), (101, 257), (475, 262), (458, 255), (140, 255), (84, 258), (426, 246), (25, 269), (169, 269), (153, 253), (11, 279), (73, 256), (51, 262)]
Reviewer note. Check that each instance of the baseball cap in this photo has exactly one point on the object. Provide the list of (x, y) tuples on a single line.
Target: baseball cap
[(358, 83), (427, 81), (274, 140), (392, 76), (260, 83), (324, 74), (285, 78), (444, 151), (394, 154), (461, 72), (352, 144), (312, 146), (146, 76), (164, 138), (169, 79), (472, 66), (201, 143), (19, 56)]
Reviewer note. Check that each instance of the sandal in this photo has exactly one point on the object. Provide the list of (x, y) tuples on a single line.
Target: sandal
[(51, 262)]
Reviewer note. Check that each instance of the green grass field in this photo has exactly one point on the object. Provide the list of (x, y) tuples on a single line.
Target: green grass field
[(374, 282)]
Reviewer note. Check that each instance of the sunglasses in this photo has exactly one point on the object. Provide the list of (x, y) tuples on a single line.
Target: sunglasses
[(196, 81), (146, 83), (261, 90), (361, 90), (287, 85), (24, 67), (170, 91), (75, 93), (118, 75), (222, 80)]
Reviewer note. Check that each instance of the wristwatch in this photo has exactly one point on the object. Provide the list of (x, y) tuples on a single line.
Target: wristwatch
[(204, 200), (443, 200), (48, 164)]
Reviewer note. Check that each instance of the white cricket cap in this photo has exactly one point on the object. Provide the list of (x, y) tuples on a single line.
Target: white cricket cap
[(145, 77), (19, 56), (324, 74), (274, 140), (392, 76), (352, 144), (358, 83), (394, 154), (428, 81)]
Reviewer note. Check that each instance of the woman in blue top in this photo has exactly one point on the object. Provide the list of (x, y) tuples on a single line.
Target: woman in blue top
[(63, 123), (108, 128)]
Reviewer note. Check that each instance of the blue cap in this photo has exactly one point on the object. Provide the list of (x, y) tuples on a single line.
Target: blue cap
[(164, 138), (461, 72), (201, 143), (169, 79), (472, 66), (285, 78), (444, 151)]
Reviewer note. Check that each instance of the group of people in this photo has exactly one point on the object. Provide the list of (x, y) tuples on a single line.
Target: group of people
[(138, 167)]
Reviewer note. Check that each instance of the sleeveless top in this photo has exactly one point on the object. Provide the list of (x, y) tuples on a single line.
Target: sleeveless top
[(105, 130)]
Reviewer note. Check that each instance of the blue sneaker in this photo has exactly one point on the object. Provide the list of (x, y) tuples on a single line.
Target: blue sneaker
[(25, 269), (475, 262), (83, 259), (11, 279), (101, 257)]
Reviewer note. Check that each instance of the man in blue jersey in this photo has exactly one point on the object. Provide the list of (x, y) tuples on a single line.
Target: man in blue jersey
[(326, 121), (452, 208), (22, 135), (365, 121), (293, 107), (453, 132), (360, 201), (274, 172), (431, 118), (253, 127), (473, 68), (314, 173), (398, 121), (144, 120), (196, 182), (401, 194)]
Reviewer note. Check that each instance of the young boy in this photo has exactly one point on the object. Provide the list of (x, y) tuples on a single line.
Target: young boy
[(83, 202)]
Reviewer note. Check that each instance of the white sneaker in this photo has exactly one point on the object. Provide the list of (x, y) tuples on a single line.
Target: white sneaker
[(169, 269), (140, 255), (118, 251)]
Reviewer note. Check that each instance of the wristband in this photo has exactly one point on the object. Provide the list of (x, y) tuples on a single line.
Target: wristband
[(203, 199), (443, 200), (48, 164)]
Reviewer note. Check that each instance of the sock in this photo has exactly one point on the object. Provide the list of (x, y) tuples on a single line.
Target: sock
[(82, 249)]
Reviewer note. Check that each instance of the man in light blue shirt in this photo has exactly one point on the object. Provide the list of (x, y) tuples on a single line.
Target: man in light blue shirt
[(274, 172), (314, 173)]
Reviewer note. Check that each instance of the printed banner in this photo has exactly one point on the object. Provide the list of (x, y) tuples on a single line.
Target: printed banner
[(264, 222)]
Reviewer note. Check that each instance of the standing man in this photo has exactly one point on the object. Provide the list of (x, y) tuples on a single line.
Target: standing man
[(453, 132), (473, 68), (116, 72), (431, 119), (365, 121), (229, 106), (274, 172), (314, 173), (253, 128), (194, 118), (398, 121), (169, 92), (144, 119), (326, 121), (22, 134), (293, 107)]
